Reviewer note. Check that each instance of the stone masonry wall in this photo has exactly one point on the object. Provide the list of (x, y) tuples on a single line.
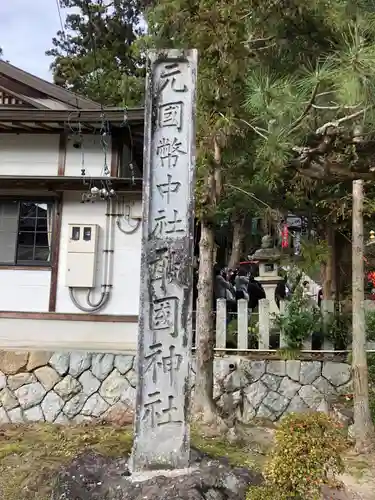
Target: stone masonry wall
[(270, 389), (64, 387)]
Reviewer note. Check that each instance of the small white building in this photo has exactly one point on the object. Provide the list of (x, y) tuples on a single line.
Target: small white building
[(70, 215)]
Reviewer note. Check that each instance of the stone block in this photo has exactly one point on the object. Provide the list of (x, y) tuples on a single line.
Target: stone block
[(256, 370), (51, 406), (34, 414), (120, 414), (336, 373), (275, 402), (124, 363), (75, 405), (271, 381), (128, 396), (95, 406), (311, 396), (61, 419), (3, 380), (47, 376), (288, 388), (60, 362), (255, 393), (90, 384), (4, 419), (16, 416), (30, 395), (8, 400), (38, 359), (276, 368), (324, 386), (265, 413), (131, 377), (113, 386), (68, 387), (11, 362), (20, 379), (310, 371), (247, 413), (79, 362), (102, 365), (293, 368), (297, 405)]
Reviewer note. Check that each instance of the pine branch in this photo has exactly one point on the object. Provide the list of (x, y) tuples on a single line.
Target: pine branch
[(307, 109)]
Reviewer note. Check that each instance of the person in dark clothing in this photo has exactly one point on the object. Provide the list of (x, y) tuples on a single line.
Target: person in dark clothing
[(241, 284), (320, 297), (280, 292), (224, 290), (256, 293)]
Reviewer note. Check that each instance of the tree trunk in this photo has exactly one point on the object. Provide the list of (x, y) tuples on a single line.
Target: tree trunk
[(204, 405), (203, 392), (363, 426), (237, 241)]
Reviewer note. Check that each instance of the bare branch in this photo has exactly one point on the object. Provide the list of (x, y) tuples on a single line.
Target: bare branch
[(256, 130), (307, 109), (335, 108), (323, 129)]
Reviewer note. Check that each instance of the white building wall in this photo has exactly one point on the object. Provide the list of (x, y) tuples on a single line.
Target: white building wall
[(127, 253), (24, 290), (90, 156), (29, 154)]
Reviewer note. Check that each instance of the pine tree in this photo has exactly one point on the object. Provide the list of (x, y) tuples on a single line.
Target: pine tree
[(95, 55), (316, 118)]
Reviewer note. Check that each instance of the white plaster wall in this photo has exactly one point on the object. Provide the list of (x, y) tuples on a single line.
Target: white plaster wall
[(50, 335), (24, 290), (90, 156), (127, 253), (29, 154)]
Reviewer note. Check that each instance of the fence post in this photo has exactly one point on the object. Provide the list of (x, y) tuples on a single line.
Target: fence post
[(264, 324), (242, 324), (221, 323), (327, 308), (283, 312)]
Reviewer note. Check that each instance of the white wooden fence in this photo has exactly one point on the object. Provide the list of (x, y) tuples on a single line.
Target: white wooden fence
[(262, 321)]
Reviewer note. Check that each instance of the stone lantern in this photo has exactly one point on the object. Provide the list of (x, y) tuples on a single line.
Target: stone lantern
[(269, 259)]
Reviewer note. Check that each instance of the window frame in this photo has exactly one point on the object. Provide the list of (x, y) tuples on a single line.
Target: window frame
[(33, 264)]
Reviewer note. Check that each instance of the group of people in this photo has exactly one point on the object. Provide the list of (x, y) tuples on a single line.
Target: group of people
[(234, 285)]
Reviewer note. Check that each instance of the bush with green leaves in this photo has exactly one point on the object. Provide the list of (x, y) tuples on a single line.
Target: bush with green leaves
[(307, 451), (299, 322)]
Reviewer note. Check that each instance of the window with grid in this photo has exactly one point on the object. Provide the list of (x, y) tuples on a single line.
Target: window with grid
[(25, 232)]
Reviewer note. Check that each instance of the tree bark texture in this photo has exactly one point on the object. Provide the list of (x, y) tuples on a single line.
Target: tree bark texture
[(237, 241), (363, 426), (203, 392)]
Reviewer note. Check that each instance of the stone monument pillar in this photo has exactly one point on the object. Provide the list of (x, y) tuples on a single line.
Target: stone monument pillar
[(269, 259), (161, 429)]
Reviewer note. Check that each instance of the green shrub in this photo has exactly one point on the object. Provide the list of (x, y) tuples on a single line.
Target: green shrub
[(299, 322), (265, 493), (308, 447)]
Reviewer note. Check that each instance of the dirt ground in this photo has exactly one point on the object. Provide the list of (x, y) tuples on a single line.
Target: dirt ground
[(30, 456)]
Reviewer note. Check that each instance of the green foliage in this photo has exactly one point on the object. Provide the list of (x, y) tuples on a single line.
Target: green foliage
[(300, 321), (370, 326), (313, 254), (308, 448), (97, 56), (371, 380), (338, 329)]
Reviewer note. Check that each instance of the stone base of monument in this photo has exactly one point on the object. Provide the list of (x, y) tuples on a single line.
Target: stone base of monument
[(94, 477)]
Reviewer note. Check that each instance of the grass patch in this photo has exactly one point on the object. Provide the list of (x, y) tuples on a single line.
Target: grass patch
[(31, 455)]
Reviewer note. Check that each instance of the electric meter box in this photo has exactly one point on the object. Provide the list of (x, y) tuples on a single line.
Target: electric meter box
[(82, 253)]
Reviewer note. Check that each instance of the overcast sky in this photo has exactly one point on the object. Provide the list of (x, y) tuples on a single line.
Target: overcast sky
[(26, 31)]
